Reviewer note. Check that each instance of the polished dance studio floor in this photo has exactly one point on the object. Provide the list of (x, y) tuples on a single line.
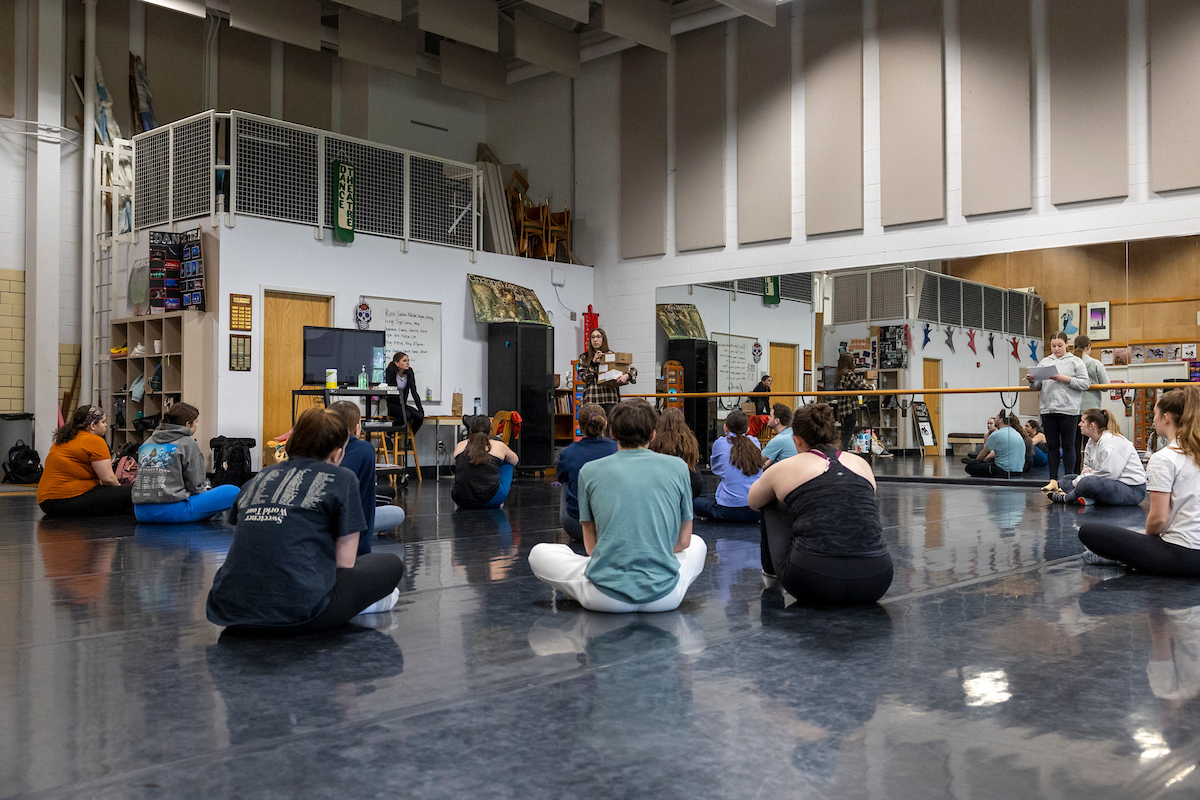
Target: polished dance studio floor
[(997, 667)]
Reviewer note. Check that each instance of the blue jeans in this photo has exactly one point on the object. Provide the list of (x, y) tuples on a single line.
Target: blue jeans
[(1104, 491), (195, 508), (708, 507), (506, 478)]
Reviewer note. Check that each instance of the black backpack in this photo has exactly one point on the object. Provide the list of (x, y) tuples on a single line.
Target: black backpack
[(24, 465), (231, 460)]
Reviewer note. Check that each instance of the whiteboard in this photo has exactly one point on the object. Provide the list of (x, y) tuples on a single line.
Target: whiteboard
[(736, 370), (413, 327)]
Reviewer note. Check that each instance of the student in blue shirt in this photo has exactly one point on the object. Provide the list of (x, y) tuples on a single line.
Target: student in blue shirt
[(1004, 453), (781, 446), (360, 459), (738, 461), (594, 444), (637, 527)]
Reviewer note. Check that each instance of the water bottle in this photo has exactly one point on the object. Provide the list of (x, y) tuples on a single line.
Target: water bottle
[(478, 406), (362, 378), (428, 394)]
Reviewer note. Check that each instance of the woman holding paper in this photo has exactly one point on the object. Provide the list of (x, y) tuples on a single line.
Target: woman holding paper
[(1062, 379), (602, 382)]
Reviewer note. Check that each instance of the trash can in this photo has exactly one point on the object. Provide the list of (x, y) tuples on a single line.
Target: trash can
[(14, 428)]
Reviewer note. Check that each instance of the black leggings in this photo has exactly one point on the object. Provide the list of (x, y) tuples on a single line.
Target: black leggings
[(987, 469), (1149, 554), (99, 501), (373, 577), (848, 425), (1060, 430), (397, 410), (828, 580)]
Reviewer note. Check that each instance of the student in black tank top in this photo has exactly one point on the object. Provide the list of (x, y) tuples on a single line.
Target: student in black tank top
[(483, 468), (821, 534)]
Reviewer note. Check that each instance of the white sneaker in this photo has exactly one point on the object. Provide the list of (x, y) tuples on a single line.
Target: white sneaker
[(1094, 560), (386, 604)]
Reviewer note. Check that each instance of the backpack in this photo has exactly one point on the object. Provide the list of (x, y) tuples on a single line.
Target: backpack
[(125, 464), (24, 465), (231, 460)]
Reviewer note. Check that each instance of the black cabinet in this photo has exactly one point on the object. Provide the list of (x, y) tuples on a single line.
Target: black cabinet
[(521, 379), (699, 360)]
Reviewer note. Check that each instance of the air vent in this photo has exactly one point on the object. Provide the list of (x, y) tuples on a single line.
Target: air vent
[(972, 305), (850, 298), (927, 308), (887, 294)]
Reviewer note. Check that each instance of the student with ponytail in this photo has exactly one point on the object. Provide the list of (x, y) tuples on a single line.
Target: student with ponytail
[(593, 422), (171, 483), (1170, 545), (737, 460), (78, 480), (483, 467), (1112, 472), (822, 537)]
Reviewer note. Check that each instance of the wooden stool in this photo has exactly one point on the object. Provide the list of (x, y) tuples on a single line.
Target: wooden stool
[(397, 442)]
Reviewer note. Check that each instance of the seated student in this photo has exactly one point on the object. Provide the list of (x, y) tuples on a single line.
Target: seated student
[(1033, 429), (821, 533), (483, 468), (673, 437), (737, 461), (594, 444), (291, 568), (1003, 455), (637, 527), (1171, 544), (1112, 470), (171, 483), (360, 459), (78, 479), (977, 455), (781, 445)]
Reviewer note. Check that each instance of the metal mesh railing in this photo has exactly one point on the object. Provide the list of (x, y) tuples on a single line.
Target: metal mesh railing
[(191, 168), (152, 178), (378, 185), (442, 201), (275, 170), (282, 171)]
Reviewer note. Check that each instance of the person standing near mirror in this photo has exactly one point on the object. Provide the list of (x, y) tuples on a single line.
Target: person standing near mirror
[(762, 405), (591, 366), (1059, 405), (847, 380)]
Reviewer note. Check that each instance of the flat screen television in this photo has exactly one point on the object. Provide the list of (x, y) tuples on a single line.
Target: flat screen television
[(347, 350)]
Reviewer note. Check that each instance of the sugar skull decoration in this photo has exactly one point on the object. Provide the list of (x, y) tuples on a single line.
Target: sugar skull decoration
[(362, 315)]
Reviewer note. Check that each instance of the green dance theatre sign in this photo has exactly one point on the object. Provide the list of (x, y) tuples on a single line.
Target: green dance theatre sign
[(343, 206)]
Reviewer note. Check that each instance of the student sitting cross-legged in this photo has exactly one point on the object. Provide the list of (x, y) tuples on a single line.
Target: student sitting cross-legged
[(594, 444), (171, 485), (636, 511), (292, 568), (360, 459), (821, 532)]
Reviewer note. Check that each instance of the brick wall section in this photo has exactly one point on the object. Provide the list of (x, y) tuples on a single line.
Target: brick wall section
[(68, 361), (12, 340)]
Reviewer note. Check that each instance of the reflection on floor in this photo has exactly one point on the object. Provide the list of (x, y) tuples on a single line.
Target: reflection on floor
[(997, 666)]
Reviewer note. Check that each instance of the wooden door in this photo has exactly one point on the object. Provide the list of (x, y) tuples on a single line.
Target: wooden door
[(933, 380), (783, 372), (284, 318)]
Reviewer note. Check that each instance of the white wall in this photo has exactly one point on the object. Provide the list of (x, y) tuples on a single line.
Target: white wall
[(396, 100), (625, 290), (259, 255), (533, 128)]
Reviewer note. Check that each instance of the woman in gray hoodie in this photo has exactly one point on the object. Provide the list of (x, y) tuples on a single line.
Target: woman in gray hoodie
[(171, 483), (1061, 396)]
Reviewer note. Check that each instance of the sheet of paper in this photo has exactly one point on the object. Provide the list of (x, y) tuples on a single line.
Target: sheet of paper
[(1043, 373)]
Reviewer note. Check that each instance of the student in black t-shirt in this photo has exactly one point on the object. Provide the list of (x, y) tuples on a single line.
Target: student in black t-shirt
[(291, 568)]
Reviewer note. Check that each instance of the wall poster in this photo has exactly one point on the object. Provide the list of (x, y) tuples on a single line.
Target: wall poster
[(1098, 321)]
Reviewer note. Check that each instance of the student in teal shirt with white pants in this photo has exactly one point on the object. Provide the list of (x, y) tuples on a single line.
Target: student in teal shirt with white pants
[(636, 510)]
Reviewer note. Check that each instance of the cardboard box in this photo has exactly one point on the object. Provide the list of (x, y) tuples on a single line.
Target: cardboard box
[(609, 377), (619, 358)]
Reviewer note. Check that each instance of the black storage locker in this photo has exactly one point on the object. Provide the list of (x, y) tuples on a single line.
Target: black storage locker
[(699, 359), (521, 379)]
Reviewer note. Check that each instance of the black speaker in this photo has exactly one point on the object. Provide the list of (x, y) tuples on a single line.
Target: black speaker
[(521, 379), (699, 359)]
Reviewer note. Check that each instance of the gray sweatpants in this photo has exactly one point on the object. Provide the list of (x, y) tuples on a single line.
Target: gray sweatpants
[(1105, 491)]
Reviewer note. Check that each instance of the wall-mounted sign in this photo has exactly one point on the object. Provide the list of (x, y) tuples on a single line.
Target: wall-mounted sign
[(771, 290), (239, 352), (239, 312), (343, 202)]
